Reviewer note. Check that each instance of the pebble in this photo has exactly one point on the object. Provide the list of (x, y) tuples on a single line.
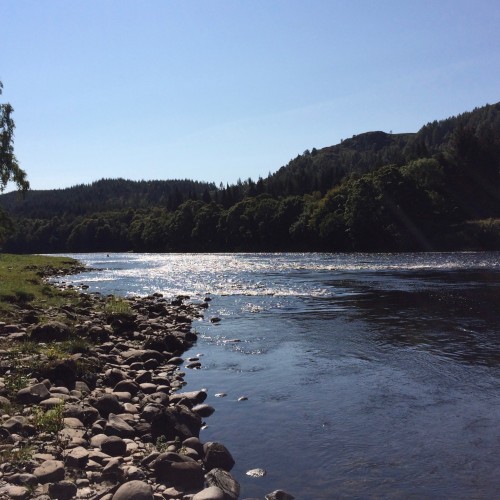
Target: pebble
[(256, 472)]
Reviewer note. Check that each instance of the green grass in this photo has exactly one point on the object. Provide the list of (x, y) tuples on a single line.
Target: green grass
[(14, 382), (53, 351), (117, 305), (50, 421), (18, 456), (29, 357), (21, 280)]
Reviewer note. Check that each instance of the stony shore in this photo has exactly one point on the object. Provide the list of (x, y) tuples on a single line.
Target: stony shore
[(93, 406)]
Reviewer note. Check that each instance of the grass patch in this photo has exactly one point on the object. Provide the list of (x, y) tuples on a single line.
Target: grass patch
[(14, 382), (62, 350), (117, 305), (28, 358), (50, 421), (17, 456), (21, 280), (53, 350)]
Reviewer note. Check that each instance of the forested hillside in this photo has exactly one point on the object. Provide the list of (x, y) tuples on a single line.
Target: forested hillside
[(103, 195), (434, 189)]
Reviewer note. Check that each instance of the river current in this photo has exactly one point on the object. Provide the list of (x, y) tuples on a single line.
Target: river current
[(366, 375)]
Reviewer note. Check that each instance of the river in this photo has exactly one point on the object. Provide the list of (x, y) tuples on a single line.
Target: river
[(366, 375)]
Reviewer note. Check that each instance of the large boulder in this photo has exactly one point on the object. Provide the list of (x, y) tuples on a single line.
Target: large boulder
[(279, 495), (224, 481), (169, 343), (117, 426), (64, 490), (50, 471), (114, 446), (210, 493), (179, 470), (177, 421), (203, 410), (108, 403), (15, 424), (76, 457), (127, 386), (122, 322), (134, 490), (98, 334), (217, 456), (114, 375), (33, 394), (188, 398), (50, 332), (62, 372)]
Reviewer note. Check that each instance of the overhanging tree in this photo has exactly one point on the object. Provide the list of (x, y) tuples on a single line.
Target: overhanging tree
[(9, 168)]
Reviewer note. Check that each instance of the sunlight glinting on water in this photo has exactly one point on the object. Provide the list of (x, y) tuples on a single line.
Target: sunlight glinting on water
[(241, 274)]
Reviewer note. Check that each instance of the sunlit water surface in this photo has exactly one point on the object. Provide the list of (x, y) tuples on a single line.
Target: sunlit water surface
[(367, 375)]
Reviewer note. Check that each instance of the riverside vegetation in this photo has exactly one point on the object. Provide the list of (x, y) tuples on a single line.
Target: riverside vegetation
[(437, 189), (91, 394)]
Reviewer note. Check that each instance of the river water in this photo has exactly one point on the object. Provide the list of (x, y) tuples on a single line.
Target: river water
[(367, 375)]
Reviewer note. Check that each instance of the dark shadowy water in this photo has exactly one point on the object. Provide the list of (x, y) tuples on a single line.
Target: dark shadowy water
[(366, 375)]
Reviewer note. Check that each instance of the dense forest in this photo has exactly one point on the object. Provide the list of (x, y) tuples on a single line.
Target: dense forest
[(436, 189)]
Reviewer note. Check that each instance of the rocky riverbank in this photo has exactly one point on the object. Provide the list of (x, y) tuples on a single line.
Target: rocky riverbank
[(92, 403)]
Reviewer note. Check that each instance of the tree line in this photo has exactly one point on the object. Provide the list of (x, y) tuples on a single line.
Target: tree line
[(436, 189)]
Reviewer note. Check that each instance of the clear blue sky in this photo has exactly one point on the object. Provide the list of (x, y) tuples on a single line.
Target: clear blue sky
[(215, 90)]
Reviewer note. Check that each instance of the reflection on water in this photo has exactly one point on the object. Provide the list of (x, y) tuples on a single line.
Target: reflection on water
[(366, 375), (453, 314)]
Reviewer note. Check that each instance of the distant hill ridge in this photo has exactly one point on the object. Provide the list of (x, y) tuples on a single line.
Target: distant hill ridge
[(104, 195), (317, 170), (321, 169)]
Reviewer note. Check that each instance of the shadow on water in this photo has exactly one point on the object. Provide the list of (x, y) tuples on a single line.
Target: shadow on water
[(451, 314)]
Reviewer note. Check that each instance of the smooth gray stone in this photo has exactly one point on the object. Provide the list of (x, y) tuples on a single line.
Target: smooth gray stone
[(15, 492), (52, 402), (194, 397), (76, 457), (117, 426), (226, 482), (50, 471), (210, 493), (123, 397), (148, 388), (113, 376), (64, 490), (178, 470), (33, 394), (97, 440), (15, 424), (134, 490), (127, 386), (279, 495), (48, 332), (24, 479), (217, 456), (174, 422), (143, 377), (114, 446), (203, 410), (108, 403)]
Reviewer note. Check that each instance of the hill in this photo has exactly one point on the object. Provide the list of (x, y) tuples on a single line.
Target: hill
[(322, 169), (103, 195), (435, 189)]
